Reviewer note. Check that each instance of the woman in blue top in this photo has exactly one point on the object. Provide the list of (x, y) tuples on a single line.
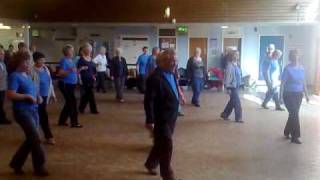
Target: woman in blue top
[(293, 87), (87, 70), (46, 89), (24, 94), (67, 85), (232, 84)]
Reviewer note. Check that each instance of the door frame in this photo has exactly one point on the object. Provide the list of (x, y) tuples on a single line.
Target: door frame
[(283, 52), (236, 36)]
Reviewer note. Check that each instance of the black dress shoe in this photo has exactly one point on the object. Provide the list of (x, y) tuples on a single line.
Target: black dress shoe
[(41, 172), (63, 124), (77, 126), (296, 141), (279, 109), (94, 112), (151, 171), (196, 104), (5, 122), (264, 106), (239, 121), (287, 136), (180, 114), (224, 118), (17, 171)]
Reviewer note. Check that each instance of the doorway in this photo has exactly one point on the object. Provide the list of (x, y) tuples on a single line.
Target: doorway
[(201, 43), (232, 44)]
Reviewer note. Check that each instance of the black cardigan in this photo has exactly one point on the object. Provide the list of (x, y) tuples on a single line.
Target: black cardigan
[(115, 67)]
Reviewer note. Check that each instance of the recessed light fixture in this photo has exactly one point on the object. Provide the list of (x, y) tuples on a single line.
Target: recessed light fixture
[(5, 27), (224, 27), (167, 12)]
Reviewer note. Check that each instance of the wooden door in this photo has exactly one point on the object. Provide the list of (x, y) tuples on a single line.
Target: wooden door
[(201, 43), (232, 43)]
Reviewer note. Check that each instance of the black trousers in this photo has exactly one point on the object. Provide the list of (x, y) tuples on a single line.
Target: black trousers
[(161, 154), (233, 104), (44, 119), (3, 116), (27, 119), (70, 106), (141, 83), (272, 93), (292, 101), (119, 84), (87, 96), (101, 78)]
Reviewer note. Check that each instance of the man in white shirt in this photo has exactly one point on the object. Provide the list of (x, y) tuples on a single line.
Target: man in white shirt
[(101, 61)]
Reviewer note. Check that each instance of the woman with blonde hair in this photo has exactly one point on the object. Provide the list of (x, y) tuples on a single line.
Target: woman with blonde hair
[(293, 87), (67, 85), (87, 71), (197, 73), (25, 96)]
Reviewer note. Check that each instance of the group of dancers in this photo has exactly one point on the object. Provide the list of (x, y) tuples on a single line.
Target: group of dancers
[(27, 81)]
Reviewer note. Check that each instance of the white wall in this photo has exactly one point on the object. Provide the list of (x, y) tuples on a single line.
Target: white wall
[(301, 36)]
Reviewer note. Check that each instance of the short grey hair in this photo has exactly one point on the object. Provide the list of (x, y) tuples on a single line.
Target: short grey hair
[(86, 46), (278, 53), (66, 48), (119, 50)]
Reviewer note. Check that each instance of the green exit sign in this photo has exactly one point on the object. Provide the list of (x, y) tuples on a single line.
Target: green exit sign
[(182, 29)]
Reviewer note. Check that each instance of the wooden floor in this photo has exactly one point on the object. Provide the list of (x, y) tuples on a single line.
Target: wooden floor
[(114, 144)]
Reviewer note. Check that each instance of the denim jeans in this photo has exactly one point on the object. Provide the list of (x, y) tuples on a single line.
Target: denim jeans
[(44, 119), (197, 84), (234, 103), (29, 121)]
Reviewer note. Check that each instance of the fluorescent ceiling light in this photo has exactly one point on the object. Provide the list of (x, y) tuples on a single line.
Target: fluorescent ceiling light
[(224, 27), (5, 27)]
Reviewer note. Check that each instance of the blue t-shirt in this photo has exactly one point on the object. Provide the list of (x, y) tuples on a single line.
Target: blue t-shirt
[(67, 65), (23, 84), (45, 82), (238, 76), (274, 70), (170, 78), (294, 78), (142, 63), (151, 64)]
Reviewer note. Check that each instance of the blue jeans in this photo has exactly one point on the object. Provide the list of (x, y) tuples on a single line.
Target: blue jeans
[(29, 122), (197, 84), (234, 103)]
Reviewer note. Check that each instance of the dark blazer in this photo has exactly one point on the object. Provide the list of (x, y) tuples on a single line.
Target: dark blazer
[(160, 104), (115, 66)]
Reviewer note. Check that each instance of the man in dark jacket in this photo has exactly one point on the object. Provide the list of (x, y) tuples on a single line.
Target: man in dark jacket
[(161, 106), (119, 73)]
